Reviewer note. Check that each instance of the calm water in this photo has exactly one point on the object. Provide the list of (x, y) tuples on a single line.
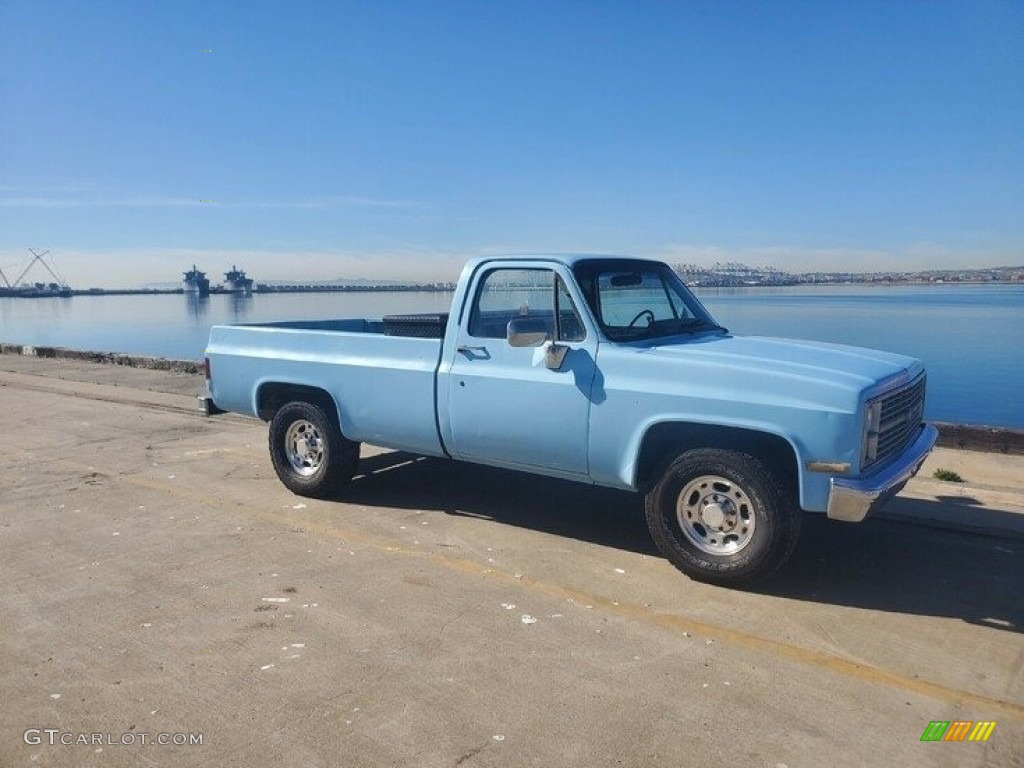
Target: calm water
[(970, 337)]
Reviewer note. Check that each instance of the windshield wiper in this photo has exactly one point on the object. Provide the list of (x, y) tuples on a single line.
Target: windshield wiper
[(663, 328), (694, 324)]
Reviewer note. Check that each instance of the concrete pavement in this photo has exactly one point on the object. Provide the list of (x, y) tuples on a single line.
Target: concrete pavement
[(157, 579)]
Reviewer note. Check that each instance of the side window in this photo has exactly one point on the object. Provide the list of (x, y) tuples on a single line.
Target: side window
[(507, 293)]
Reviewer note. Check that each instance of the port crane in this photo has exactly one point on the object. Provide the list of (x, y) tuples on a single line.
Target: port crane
[(38, 257), (35, 290)]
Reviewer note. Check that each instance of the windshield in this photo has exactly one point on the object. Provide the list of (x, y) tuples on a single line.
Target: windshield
[(635, 300)]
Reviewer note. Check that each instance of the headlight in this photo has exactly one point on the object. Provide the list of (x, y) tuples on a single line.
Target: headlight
[(872, 423)]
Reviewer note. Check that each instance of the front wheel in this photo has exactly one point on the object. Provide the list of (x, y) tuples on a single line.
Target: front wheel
[(720, 516), (310, 455)]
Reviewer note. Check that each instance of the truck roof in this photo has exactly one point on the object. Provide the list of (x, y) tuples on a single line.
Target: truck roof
[(568, 259)]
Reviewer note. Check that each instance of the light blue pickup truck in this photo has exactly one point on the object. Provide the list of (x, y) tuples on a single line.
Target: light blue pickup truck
[(603, 370)]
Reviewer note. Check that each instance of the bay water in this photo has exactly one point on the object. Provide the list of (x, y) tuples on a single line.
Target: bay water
[(970, 337)]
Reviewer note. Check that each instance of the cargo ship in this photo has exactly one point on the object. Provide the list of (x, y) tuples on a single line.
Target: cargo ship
[(195, 283), (237, 283)]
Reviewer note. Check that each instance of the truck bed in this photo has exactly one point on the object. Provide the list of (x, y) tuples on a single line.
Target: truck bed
[(421, 326), (381, 373)]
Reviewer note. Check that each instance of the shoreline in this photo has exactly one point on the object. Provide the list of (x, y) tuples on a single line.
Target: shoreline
[(10, 293), (107, 358), (968, 437), (442, 286)]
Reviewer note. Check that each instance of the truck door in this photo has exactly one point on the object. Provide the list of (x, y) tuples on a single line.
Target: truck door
[(529, 405)]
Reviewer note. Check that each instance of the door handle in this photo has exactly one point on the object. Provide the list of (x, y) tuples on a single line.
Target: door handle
[(471, 350)]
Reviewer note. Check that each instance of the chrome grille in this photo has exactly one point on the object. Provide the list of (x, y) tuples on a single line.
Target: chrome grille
[(902, 412)]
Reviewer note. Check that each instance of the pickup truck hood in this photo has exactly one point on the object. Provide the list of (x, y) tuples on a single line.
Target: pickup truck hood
[(830, 374)]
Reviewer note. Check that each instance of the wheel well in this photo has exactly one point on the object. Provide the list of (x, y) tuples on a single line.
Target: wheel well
[(272, 395), (663, 442)]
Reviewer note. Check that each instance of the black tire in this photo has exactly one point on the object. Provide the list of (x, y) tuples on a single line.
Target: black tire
[(310, 455), (737, 523)]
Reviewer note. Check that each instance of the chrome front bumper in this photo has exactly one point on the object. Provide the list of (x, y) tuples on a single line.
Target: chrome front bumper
[(852, 500)]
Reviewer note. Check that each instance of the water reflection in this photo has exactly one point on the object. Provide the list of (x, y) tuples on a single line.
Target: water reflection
[(241, 305), (197, 306)]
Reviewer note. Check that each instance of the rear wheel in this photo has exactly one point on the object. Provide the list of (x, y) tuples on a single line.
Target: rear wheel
[(720, 516), (309, 453)]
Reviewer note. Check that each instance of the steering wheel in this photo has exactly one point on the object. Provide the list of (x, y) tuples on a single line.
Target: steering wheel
[(642, 312)]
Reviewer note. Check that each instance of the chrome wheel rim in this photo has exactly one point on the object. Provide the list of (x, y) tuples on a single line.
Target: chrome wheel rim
[(304, 447), (715, 515)]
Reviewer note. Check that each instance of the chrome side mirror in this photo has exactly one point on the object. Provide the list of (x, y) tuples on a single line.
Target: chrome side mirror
[(526, 332)]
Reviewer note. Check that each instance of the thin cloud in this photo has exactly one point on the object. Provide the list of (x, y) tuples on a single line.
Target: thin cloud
[(329, 202), (70, 202), (317, 203)]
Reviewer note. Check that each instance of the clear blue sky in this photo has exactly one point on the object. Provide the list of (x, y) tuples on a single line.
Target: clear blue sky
[(398, 138)]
